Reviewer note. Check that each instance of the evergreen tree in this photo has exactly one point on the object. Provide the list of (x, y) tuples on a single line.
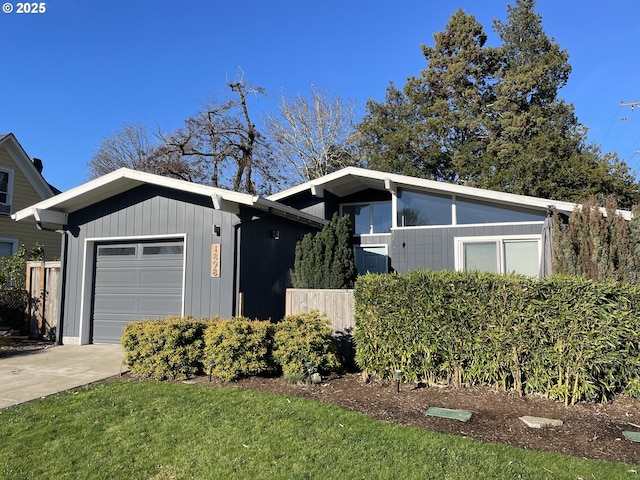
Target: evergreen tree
[(492, 117), (325, 259), (436, 127)]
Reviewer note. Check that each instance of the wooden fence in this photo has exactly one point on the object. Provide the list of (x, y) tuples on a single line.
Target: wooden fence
[(337, 304), (43, 280)]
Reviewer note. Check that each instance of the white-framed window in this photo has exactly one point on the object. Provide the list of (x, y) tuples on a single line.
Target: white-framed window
[(6, 190), (369, 218), (499, 254), (8, 246), (371, 259)]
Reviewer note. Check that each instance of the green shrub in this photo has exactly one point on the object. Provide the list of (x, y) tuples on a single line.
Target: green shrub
[(325, 259), (302, 338), (238, 348), (165, 349), (13, 302), (568, 338)]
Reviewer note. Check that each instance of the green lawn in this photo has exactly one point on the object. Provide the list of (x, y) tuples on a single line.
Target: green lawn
[(147, 430)]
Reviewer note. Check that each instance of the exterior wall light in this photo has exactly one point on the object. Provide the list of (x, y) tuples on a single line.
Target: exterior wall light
[(275, 234)]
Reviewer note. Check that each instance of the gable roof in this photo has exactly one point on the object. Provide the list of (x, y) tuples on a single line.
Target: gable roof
[(350, 180), (56, 209), (26, 166)]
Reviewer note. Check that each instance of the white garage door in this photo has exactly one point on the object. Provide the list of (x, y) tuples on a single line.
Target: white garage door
[(135, 281)]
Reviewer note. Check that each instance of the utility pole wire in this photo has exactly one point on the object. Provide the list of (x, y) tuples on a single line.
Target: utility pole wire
[(630, 104)]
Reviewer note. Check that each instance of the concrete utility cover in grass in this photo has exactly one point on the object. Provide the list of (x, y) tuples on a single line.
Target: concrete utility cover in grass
[(540, 422), (459, 415), (633, 436)]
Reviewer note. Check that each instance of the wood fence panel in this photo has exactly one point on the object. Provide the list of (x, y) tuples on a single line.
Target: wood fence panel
[(43, 283), (337, 304)]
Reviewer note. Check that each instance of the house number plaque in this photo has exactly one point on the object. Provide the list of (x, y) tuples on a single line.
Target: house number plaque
[(215, 260)]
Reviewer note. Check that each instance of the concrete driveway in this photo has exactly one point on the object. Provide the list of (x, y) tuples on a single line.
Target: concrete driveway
[(33, 375)]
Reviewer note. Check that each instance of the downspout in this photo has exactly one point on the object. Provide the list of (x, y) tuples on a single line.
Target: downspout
[(236, 268), (63, 284)]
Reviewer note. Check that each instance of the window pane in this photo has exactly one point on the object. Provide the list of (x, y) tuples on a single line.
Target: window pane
[(381, 217), (521, 257), (114, 251), (369, 218), (6, 249), (371, 260), (473, 212), (4, 182), (415, 208), (482, 257), (360, 216), (162, 250)]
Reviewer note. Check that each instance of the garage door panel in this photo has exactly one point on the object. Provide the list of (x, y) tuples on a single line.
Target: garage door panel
[(114, 276), (131, 285)]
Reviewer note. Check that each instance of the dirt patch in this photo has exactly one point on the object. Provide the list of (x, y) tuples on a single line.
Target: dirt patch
[(589, 430), (16, 345)]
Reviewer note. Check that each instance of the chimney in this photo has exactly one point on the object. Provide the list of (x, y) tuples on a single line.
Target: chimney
[(38, 164)]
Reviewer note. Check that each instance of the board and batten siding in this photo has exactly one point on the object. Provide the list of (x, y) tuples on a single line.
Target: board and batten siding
[(24, 195), (150, 213), (433, 248)]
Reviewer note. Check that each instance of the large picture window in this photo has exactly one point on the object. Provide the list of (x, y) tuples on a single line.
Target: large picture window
[(368, 218), (416, 209), (475, 212), (511, 254)]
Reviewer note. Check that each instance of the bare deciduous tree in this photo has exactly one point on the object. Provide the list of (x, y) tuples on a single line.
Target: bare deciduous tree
[(313, 136), (223, 146), (129, 147)]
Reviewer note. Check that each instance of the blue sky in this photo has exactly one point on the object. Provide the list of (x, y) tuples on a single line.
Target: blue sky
[(79, 71)]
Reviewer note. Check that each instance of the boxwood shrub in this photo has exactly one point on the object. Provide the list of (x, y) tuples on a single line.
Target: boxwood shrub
[(165, 349), (238, 348), (302, 338)]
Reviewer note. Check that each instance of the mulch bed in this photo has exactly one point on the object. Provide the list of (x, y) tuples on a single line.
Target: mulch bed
[(590, 430)]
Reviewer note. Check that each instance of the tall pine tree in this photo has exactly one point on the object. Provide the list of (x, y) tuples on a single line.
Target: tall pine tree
[(493, 118)]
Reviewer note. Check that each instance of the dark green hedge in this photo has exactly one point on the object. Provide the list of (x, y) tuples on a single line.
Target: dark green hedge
[(565, 337)]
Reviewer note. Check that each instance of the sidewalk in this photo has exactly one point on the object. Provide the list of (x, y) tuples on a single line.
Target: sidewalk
[(33, 375)]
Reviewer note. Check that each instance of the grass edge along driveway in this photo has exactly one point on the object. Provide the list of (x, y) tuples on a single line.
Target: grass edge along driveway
[(148, 430)]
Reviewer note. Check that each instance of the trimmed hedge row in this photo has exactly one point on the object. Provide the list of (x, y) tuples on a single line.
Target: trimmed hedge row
[(565, 337), (178, 348)]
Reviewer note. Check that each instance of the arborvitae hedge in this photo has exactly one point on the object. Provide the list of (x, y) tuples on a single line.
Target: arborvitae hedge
[(597, 246), (565, 337), (325, 259)]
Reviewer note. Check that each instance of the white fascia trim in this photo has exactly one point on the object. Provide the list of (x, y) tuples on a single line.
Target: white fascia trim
[(26, 166), (139, 178), (433, 186)]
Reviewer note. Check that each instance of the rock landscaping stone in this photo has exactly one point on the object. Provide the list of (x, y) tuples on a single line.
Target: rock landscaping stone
[(540, 422), (633, 436), (460, 415)]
